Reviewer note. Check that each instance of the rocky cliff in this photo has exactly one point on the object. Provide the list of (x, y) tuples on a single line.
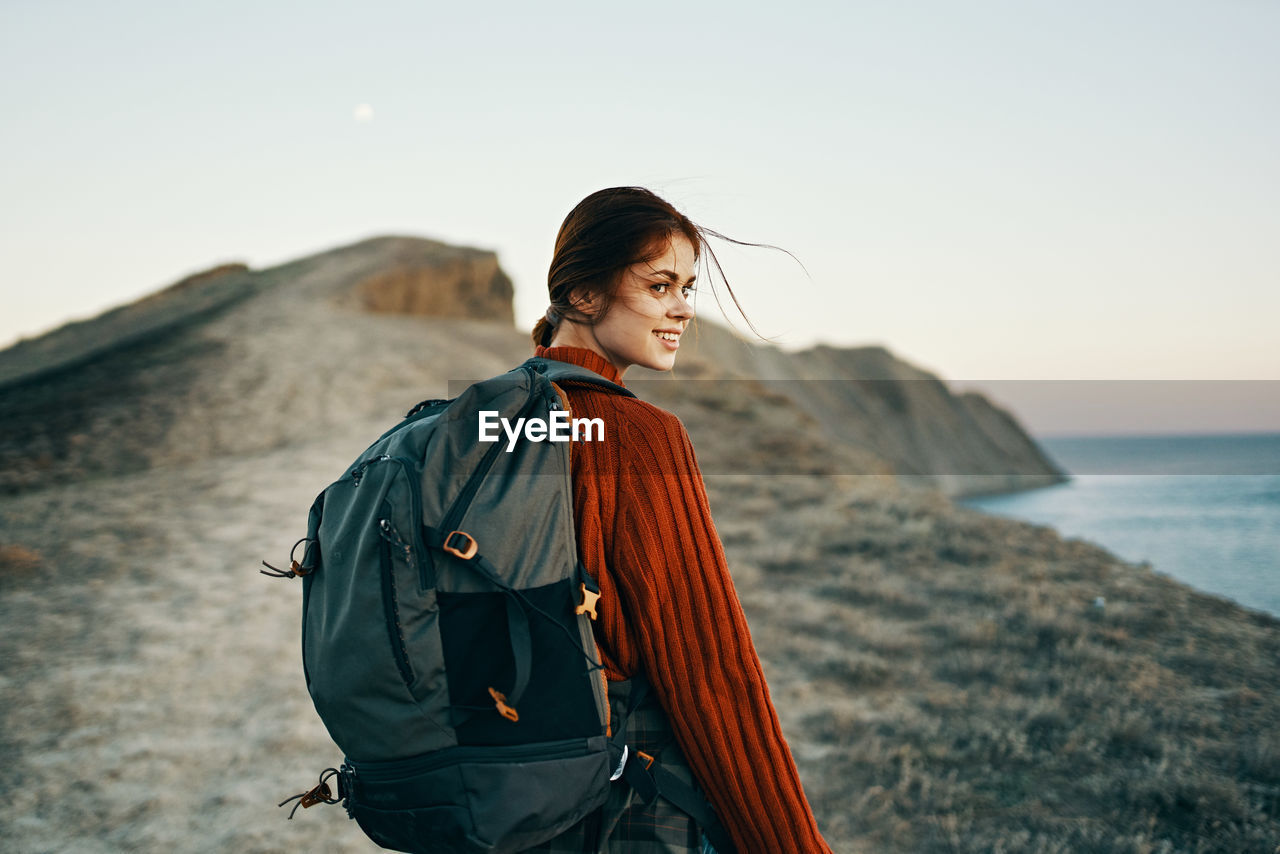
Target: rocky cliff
[(238, 360), (874, 413), (235, 360)]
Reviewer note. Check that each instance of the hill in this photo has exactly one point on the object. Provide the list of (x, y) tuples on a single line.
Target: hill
[(233, 360), (945, 679)]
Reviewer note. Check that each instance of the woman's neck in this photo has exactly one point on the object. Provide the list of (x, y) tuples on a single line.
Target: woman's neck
[(570, 334), (583, 357)]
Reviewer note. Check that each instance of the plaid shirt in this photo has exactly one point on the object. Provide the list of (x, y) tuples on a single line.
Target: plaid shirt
[(636, 827)]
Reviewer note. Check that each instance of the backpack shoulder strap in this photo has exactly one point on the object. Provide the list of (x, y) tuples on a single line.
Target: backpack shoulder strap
[(565, 371)]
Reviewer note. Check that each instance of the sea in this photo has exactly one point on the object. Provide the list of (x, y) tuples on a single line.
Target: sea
[(1204, 509)]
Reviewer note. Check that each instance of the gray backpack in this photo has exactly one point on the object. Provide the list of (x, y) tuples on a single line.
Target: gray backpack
[(446, 634)]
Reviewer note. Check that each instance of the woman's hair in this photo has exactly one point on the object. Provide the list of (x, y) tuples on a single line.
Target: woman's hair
[(602, 236)]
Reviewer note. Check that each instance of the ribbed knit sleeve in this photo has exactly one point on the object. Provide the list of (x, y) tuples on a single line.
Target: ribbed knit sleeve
[(669, 608), (693, 641)]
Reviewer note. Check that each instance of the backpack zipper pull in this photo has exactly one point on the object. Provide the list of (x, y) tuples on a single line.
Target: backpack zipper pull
[(320, 794), (295, 570), (391, 535), (358, 472)]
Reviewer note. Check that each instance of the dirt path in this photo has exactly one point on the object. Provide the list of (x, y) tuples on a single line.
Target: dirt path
[(152, 692)]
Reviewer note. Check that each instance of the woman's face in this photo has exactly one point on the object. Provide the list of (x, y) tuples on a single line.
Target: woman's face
[(650, 311)]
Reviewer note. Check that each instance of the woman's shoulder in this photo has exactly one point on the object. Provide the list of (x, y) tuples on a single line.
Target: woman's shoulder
[(633, 429), (598, 402)]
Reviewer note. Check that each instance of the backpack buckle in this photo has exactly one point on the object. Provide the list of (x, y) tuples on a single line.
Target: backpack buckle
[(622, 763), (500, 702), (588, 605), (467, 552)]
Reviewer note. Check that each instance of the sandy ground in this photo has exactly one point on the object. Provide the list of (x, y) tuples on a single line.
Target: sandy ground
[(152, 690)]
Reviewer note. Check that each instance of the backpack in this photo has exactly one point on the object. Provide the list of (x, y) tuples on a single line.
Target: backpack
[(446, 629)]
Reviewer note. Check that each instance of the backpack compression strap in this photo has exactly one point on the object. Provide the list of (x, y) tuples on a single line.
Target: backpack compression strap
[(463, 545), (649, 779)]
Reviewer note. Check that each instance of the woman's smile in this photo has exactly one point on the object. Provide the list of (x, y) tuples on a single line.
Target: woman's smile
[(671, 339)]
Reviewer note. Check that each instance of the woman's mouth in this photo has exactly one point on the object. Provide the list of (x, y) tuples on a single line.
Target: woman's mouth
[(670, 339)]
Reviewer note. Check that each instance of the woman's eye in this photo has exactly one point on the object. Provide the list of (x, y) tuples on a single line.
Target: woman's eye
[(661, 289)]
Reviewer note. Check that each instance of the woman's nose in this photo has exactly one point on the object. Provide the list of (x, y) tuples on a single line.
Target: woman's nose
[(683, 308)]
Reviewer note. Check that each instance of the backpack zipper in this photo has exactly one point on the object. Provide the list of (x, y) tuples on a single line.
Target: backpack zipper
[(390, 603), (392, 536), (426, 576), (399, 768)]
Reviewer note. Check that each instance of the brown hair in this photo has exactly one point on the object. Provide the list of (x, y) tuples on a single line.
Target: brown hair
[(602, 236)]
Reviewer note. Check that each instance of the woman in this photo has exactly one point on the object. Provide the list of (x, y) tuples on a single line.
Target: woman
[(620, 282)]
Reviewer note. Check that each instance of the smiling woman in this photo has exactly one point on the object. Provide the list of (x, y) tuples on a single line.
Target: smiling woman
[(670, 627), (649, 312), (619, 244)]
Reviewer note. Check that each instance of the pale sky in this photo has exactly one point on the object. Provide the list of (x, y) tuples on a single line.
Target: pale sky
[(992, 190)]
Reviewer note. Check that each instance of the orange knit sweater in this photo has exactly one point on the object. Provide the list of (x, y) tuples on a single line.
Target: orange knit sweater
[(668, 608)]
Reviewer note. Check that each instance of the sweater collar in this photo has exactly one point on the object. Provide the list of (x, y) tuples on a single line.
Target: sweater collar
[(583, 358)]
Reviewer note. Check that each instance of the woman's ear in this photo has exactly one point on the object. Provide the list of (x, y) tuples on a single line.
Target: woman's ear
[(583, 301)]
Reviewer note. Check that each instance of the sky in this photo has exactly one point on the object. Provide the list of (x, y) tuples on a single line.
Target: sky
[(995, 191)]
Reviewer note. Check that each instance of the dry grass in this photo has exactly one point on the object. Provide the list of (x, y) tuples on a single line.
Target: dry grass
[(963, 693), (17, 562)]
